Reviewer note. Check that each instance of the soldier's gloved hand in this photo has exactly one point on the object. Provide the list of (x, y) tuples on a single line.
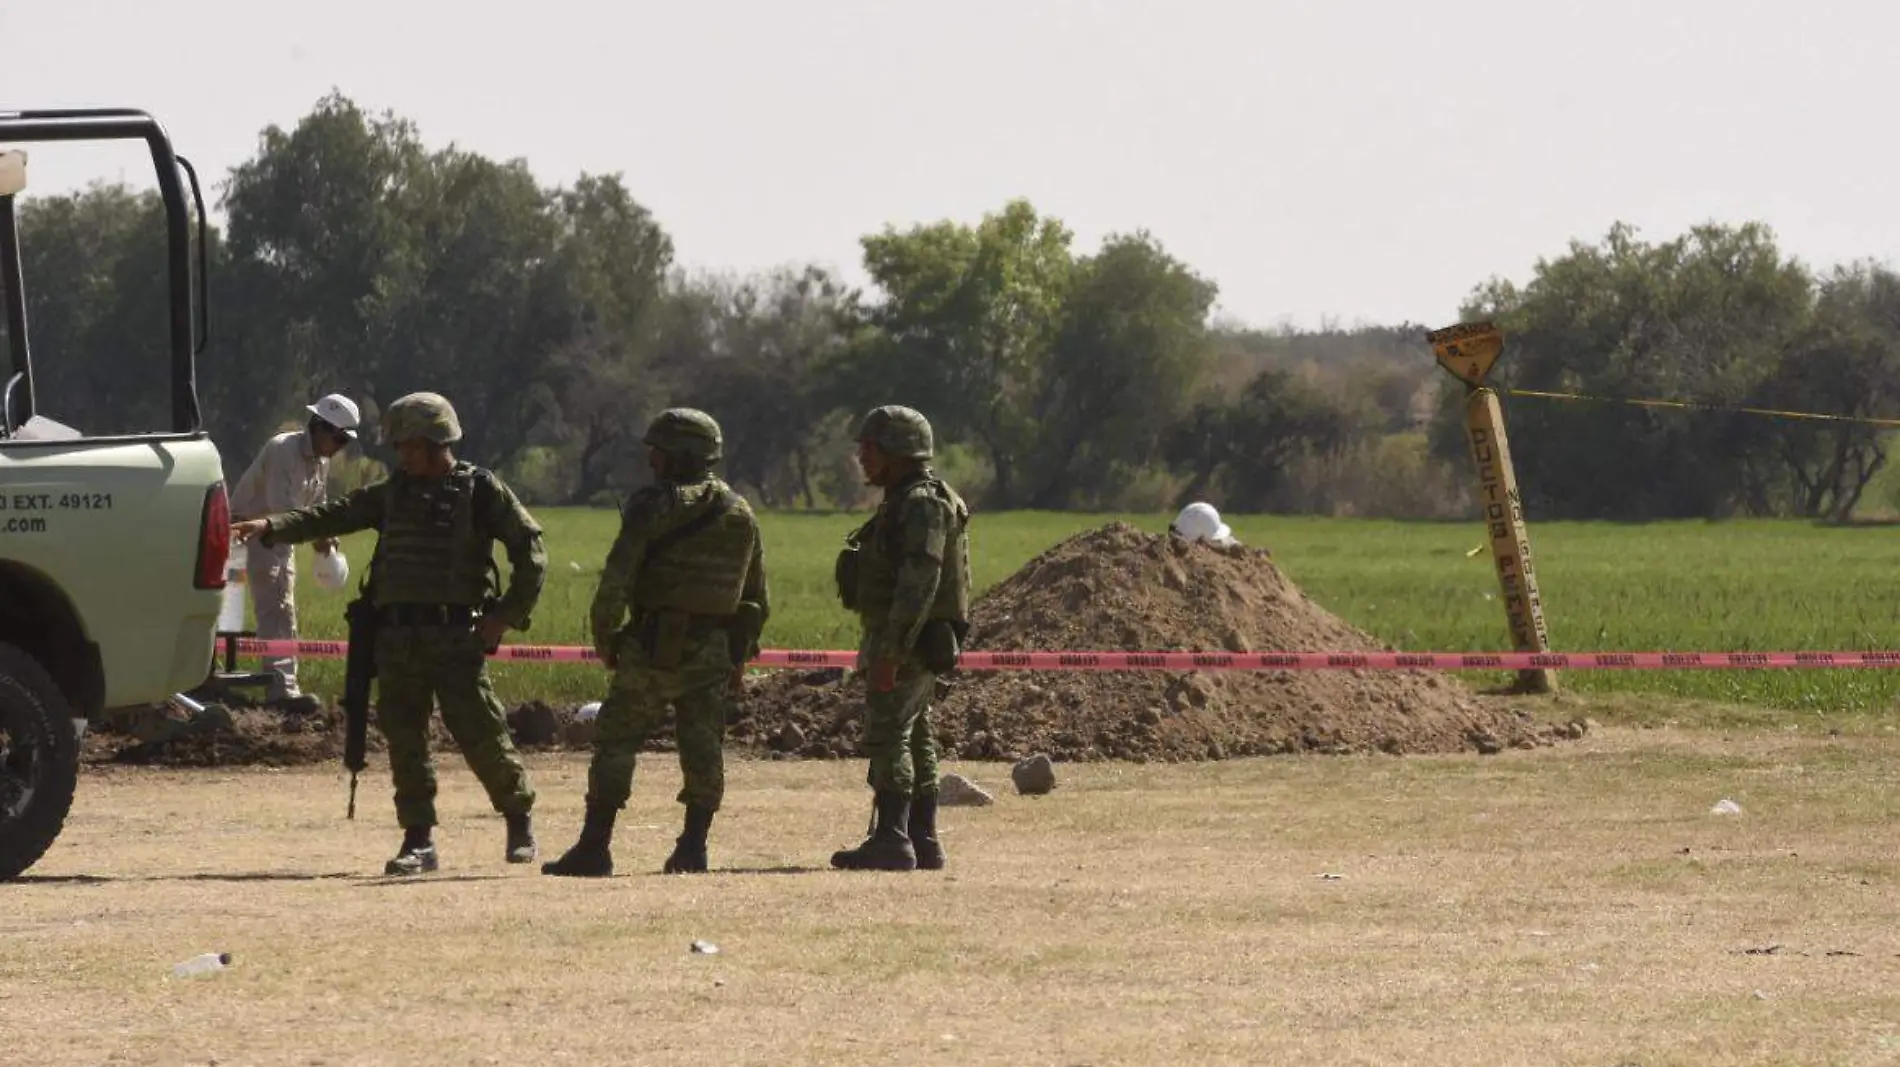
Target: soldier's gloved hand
[(249, 528), (324, 545), (492, 627), (884, 675)]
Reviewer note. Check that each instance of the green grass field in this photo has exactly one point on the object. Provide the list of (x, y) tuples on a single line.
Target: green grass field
[(1687, 586)]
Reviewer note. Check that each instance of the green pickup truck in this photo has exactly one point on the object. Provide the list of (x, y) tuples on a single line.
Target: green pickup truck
[(112, 548)]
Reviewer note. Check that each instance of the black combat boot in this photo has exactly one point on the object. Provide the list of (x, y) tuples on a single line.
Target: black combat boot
[(888, 847), (417, 855), (923, 832), (689, 850), (591, 856), (520, 838)]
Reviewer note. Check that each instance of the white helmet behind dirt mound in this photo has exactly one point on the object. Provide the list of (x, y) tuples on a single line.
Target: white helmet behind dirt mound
[(1200, 522)]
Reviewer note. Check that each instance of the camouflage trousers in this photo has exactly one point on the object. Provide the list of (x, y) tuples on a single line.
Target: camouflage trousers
[(417, 666), (897, 733), (636, 704)]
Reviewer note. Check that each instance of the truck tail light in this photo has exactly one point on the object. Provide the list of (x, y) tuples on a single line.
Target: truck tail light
[(214, 539)]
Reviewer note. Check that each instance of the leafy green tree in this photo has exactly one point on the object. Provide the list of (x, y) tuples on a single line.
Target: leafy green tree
[(1704, 317), (767, 344), (965, 329), (1241, 451), (377, 267), (97, 318), (1131, 349), (1847, 363), (327, 220)]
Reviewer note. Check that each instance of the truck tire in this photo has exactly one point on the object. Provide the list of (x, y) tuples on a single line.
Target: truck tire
[(39, 761)]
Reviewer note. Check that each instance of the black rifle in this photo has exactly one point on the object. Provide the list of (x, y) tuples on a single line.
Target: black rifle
[(359, 669), (359, 672)]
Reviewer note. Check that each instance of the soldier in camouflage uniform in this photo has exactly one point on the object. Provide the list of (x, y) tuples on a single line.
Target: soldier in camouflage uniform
[(690, 565), (906, 574), (433, 580)]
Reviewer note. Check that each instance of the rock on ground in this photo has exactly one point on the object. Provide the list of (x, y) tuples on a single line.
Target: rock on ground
[(1033, 776), (956, 791)]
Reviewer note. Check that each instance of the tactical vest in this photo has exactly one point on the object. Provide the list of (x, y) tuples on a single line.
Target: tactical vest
[(699, 562), (431, 548), (881, 546)]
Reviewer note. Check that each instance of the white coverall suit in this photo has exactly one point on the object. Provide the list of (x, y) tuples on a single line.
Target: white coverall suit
[(286, 474)]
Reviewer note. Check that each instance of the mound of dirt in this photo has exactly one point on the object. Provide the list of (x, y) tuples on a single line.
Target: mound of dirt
[(1116, 588)]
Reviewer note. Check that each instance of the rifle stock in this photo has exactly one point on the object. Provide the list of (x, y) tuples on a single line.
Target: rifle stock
[(359, 672)]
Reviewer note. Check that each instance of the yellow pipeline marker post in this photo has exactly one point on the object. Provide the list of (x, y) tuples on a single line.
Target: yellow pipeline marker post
[(1468, 351)]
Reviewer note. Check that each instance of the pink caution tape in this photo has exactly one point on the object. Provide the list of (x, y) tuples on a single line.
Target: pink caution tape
[(1213, 661)]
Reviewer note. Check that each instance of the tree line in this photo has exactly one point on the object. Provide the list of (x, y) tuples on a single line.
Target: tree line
[(356, 258)]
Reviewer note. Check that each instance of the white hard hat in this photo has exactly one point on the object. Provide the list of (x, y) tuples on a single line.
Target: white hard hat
[(1200, 522), (337, 410), (332, 569)]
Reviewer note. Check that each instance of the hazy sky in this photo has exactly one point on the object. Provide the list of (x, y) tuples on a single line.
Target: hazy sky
[(1352, 160)]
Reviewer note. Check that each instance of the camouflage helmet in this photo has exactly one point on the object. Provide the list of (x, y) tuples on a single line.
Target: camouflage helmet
[(901, 432), (686, 432), (426, 415)]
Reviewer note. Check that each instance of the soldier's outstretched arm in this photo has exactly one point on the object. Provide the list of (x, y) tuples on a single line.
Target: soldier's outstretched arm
[(615, 589), (516, 529), (360, 510), (925, 521)]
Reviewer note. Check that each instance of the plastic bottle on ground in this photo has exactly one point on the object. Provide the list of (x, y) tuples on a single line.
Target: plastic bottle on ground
[(204, 964)]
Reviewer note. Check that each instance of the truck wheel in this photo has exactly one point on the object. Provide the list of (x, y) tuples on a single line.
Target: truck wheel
[(39, 761)]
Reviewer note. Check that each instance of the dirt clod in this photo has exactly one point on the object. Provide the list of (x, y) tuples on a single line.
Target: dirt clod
[(534, 723)]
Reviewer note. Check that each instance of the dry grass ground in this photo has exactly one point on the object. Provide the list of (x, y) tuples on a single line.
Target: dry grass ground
[(1578, 905)]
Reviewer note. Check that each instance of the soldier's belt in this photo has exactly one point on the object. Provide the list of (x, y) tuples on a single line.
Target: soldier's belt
[(648, 619), (426, 614)]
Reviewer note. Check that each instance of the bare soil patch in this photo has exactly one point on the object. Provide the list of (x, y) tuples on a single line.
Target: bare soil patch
[(236, 731), (1573, 905)]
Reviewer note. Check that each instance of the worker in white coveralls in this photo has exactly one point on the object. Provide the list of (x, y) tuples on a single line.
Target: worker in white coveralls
[(291, 471)]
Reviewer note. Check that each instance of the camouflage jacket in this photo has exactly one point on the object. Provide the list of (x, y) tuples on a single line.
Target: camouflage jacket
[(435, 539), (706, 573), (916, 566)]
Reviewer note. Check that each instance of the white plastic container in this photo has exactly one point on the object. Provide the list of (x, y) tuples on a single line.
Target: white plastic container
[(231, 607), (331, 571), (205, 964)]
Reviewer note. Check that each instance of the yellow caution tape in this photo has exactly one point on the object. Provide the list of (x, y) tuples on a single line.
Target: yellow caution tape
[(1866, 420)]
